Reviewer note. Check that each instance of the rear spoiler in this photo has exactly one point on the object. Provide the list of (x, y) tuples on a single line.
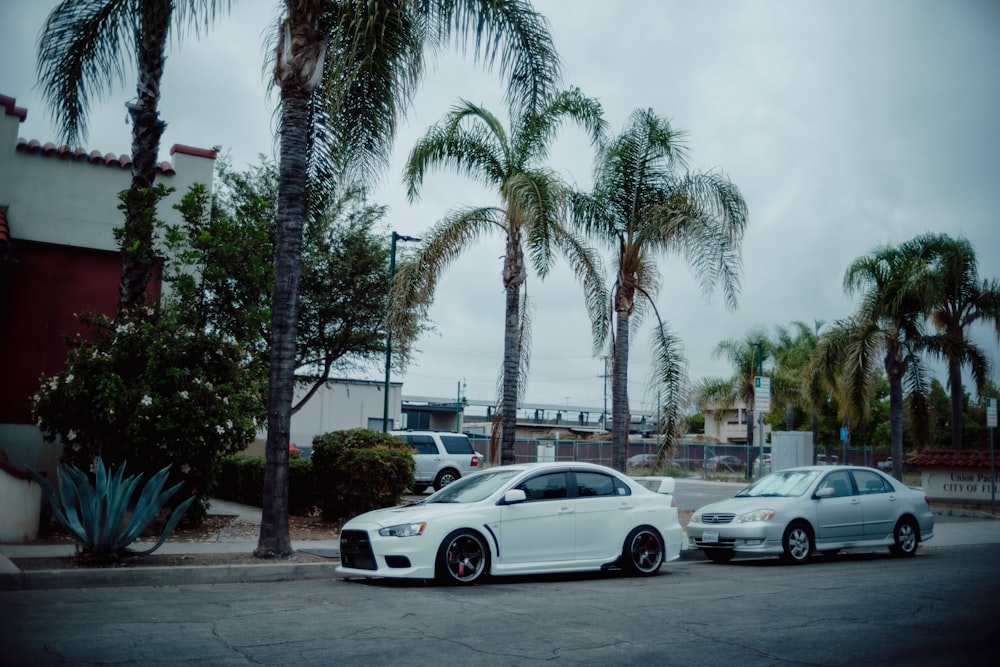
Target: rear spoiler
[(657, 484)]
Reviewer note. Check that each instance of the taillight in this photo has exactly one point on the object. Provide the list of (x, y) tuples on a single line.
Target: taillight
[(475, 461)]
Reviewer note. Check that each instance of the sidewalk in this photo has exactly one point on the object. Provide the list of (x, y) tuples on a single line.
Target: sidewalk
[(951, 528)]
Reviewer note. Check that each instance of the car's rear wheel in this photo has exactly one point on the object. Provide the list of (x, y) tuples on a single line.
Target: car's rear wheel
[(445, 477), (905, 538), (642, 555), (720, 555), (797, 544), (462, 558)]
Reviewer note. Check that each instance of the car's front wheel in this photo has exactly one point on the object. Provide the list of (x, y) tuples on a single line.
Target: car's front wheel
[(462, 558), (905, 538), (643, 552), (797, 544), (444, 478)]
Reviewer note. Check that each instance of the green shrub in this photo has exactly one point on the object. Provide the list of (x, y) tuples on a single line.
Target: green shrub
[(359, 470), (148, 389), (242, 481)]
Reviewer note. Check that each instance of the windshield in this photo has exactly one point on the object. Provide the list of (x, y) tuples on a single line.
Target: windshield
[(473, 488), (780, 485)]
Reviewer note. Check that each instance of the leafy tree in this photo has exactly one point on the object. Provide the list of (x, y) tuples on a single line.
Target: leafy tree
[(531, 217), (345, 70), (81, 55), (960, 300), (645, 203), (221, 265)]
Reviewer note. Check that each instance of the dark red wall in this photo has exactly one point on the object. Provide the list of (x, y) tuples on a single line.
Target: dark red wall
[(45, 288)]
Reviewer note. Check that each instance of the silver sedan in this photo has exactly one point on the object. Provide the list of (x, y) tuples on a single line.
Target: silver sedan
[(797, 512)]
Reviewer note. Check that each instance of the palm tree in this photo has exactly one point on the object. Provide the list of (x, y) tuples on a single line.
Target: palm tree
[(961, 299), (346, 69), (894, 288), (792, 349), (746, 358), (645, 203), (531, 216), (81, 54)]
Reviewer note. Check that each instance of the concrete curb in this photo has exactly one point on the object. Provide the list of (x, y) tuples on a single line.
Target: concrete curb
[(164, 576)]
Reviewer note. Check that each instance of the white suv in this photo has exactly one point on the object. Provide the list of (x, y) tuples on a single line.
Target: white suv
[(441, 457)]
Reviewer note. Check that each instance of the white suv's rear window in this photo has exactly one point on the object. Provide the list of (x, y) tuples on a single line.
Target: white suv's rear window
[(457, 444)]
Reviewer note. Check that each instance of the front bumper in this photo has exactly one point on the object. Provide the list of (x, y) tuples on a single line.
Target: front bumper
[(762, 537)]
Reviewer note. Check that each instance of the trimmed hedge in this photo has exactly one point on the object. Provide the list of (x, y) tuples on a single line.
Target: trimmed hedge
[(242, 481), (360, 470)]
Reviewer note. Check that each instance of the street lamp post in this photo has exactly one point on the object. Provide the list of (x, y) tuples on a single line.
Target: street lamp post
[(388, 327)]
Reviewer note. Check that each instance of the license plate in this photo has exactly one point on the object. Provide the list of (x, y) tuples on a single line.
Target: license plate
[(710, 536)]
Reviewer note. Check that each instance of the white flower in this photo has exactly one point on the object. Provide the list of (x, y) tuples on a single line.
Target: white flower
[(184, 393), (69, 378), (185, 468), (229, 423), (76, 446), (220, 430), (147, 400), (71, 435)]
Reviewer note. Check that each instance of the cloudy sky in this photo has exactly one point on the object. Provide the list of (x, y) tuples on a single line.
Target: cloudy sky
[(847, 124)]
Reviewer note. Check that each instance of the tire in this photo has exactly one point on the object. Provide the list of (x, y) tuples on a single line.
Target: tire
[(418, 489), (463, 558), (905, 537), (445, 477), (720, 555), (642, 554), (797, 544)]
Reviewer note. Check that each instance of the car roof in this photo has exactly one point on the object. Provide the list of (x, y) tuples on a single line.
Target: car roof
[(555, 465)]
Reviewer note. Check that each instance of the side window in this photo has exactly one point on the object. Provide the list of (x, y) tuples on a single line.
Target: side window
[(594, 484), (545, 487), (457, 444), (424, 444), (840, 482), (870, 482), (621, 488)]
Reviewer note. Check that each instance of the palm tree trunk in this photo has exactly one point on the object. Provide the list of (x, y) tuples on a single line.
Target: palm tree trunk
[(619, 395), (137, 255), (957, 399), (508, 410), (274, 537), (896, 423)]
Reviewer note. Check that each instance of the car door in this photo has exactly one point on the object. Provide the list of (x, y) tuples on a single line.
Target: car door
[(839, 517), (427, 460), (879, 503), (603, 507), (543, 527)]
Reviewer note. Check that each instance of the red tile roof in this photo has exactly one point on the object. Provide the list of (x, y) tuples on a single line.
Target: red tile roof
[(10, 110), (950, 458), (64, 152)]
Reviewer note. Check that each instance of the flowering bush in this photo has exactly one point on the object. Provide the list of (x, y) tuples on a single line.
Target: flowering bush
[(151, 390)]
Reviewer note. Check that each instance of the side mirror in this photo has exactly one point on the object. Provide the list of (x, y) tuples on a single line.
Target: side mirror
[(825, 492), (514, 496)]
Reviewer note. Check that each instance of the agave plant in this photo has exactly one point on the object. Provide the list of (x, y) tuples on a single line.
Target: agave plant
[(98, 516)]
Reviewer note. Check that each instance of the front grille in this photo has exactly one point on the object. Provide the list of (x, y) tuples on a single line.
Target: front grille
[(356, 550), (717, 518)]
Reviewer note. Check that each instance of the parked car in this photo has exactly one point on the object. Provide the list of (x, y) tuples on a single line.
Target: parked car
[(641, 461), (885, 465), (519, 519), (797, 512), (766, 463), (720, 463), (441, 457)]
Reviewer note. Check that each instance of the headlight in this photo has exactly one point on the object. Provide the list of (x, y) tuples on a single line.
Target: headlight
[(403, 530), (696, 517), (756, 515)]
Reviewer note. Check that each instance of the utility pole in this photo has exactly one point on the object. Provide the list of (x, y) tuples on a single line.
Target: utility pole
[(388, 327)]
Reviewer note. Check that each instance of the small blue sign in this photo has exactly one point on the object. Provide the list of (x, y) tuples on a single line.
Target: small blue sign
[(843, 434)]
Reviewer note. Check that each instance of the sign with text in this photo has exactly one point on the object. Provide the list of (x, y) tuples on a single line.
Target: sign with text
[(761, 393), (991, 412)]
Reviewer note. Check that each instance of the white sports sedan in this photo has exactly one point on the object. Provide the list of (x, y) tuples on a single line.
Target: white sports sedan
[(518, 519), (800, 511)]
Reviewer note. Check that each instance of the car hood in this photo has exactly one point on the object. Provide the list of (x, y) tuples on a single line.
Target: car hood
[(392, 516), (741, 505)]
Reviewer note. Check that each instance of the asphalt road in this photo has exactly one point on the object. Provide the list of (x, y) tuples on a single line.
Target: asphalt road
[(860, 608)]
